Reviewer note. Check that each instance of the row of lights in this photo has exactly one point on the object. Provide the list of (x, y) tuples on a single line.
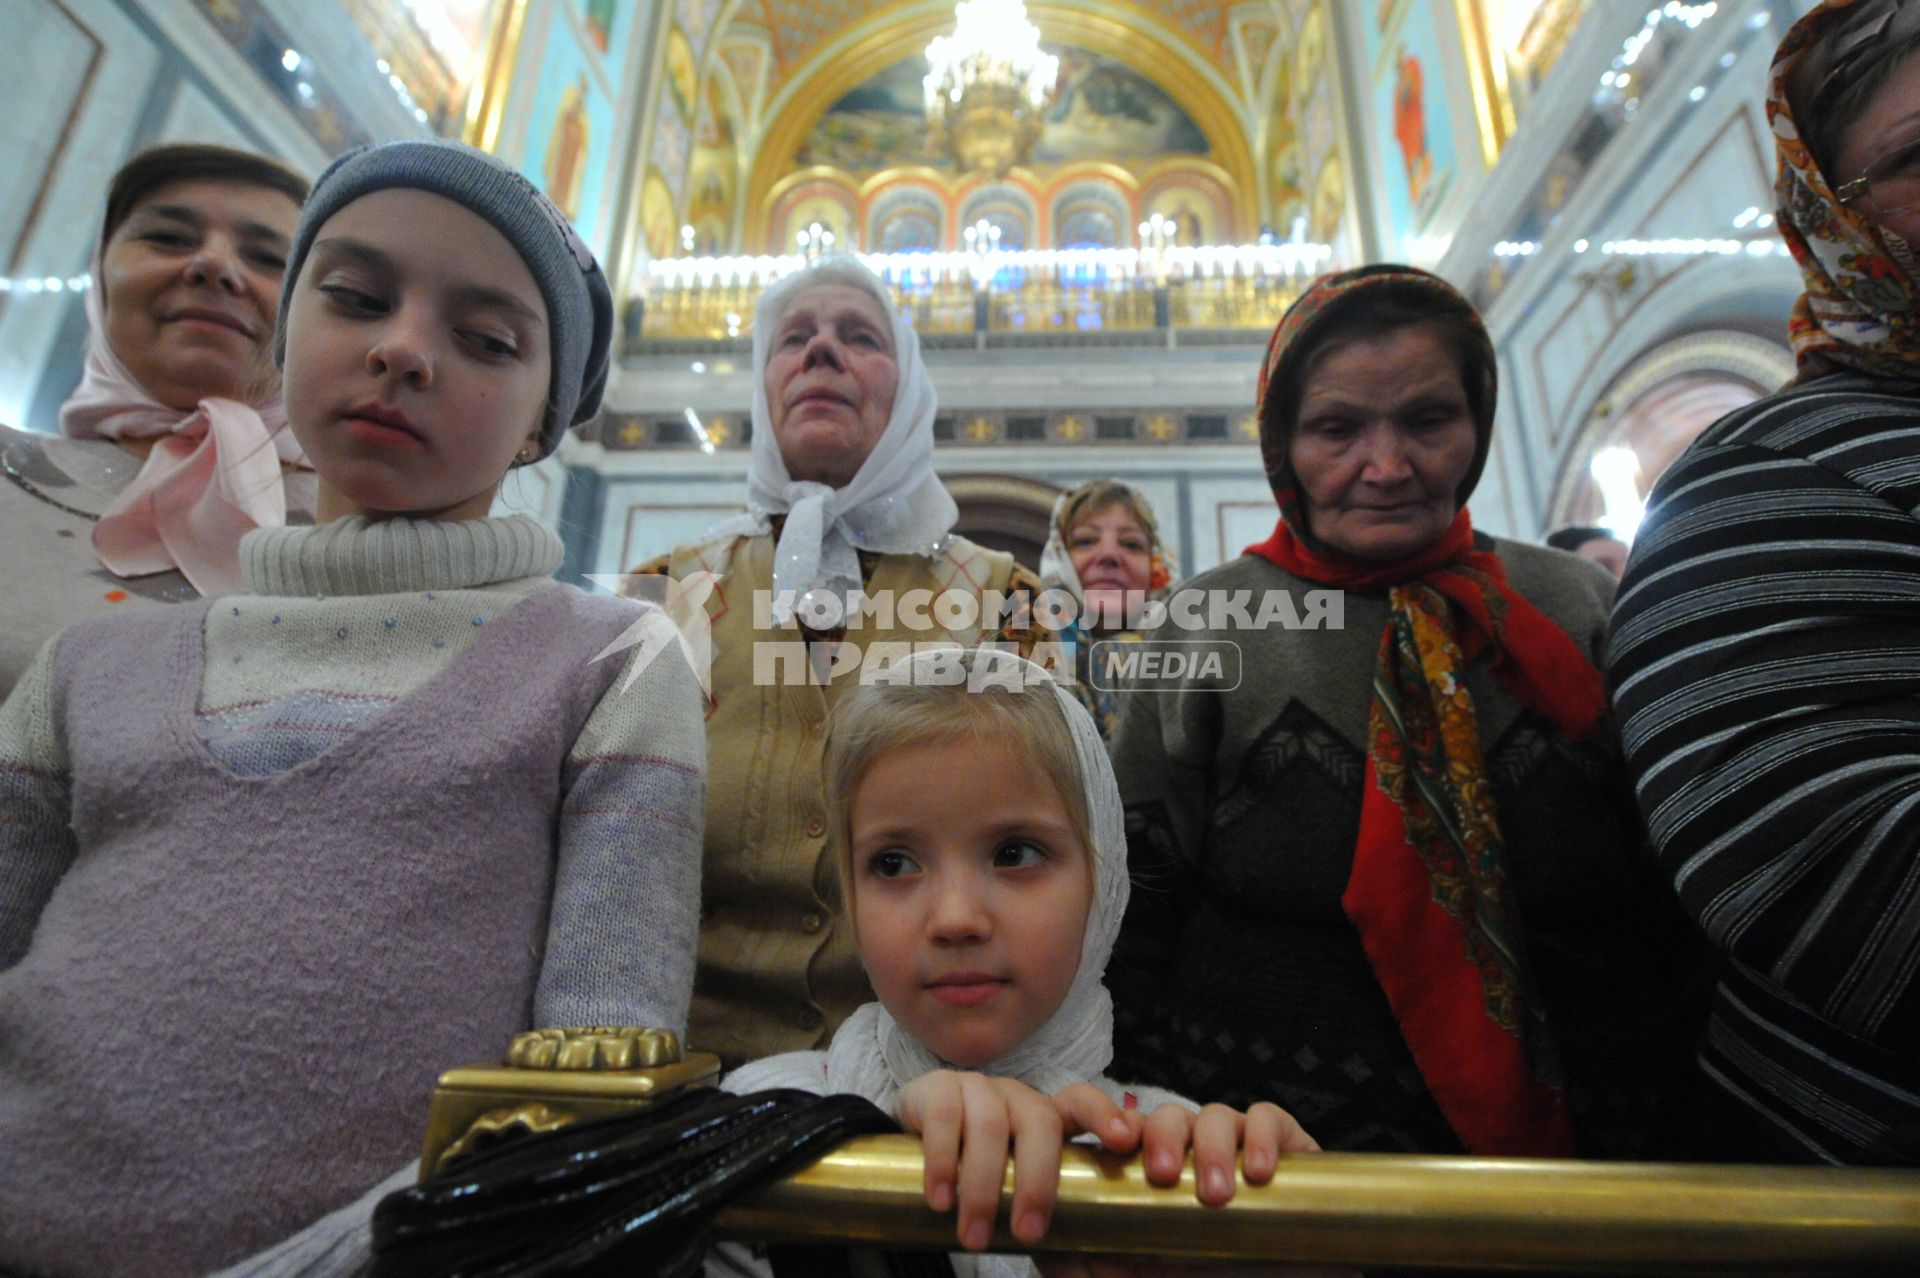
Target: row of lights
[(1670, 247), (47, 284), (1753, 216), (1273, 260)]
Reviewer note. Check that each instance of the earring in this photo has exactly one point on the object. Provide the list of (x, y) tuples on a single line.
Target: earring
[(525, 454)]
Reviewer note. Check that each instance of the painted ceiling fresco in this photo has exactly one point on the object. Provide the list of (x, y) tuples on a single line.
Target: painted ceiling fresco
[(800, 27), (1103, 110)]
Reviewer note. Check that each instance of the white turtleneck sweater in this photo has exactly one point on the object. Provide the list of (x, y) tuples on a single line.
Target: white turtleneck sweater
[(339, 623)]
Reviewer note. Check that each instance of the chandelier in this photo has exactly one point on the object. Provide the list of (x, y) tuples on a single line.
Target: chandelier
[(987, 86)]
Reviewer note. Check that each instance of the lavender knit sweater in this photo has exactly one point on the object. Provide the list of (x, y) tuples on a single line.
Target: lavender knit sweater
[(234, 1002)]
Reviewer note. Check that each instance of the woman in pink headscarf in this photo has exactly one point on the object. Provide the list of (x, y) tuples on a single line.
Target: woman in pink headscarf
[(172, 446)]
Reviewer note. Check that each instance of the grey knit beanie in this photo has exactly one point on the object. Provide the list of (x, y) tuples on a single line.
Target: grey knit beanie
[(579, 303)]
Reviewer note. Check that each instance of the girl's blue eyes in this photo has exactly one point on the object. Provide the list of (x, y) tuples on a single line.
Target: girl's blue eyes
[(358, 304), (493, 345), (892, 863), (1014, 854), (1018, 854), (352, 299)]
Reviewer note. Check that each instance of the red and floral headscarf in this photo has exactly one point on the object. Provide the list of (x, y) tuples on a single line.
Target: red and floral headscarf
[(1858, 312)]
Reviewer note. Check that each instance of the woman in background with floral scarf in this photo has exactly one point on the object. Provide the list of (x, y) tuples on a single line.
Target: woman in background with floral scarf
[(1104, 548), (1764, 664), (1388, 873)]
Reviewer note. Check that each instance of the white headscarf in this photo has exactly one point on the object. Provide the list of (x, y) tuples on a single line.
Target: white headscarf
[(214, 477), (894, 504), (872, 1056)]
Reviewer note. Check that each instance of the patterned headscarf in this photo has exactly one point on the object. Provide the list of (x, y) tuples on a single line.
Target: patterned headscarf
[(1056, 559), (1100, 696), (1858, 312)]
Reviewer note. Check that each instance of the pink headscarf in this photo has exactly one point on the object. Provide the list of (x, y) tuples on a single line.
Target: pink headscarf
[(213, 477)]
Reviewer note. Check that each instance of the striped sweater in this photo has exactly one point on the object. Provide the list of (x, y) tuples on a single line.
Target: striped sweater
[(1765, 667)]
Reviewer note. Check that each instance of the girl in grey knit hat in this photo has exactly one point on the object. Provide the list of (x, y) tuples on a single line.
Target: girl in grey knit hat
[(404, 797)]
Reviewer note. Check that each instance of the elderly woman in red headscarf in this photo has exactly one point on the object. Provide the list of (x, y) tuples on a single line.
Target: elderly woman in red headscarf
[(1390, 876), (1765, 662)]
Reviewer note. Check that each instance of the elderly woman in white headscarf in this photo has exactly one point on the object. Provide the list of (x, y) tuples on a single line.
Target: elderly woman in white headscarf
[(842, 499), (173, 446)]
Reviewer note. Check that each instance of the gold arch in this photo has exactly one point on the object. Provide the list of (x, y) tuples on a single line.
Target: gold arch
[(1140, 41)]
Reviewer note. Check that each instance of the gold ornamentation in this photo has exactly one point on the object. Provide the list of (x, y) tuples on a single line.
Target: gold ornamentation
[(982, 430), (632, 434), (1162, 427), (989, 131), (1248, 427), (1071, 429), (487, 97), (719, 432), (1546, 35), (1487, 78), (529, 1119), (576, 1073), (594, 1047)]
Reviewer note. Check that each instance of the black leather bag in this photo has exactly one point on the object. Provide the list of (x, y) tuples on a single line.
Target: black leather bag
[(626, 1195)]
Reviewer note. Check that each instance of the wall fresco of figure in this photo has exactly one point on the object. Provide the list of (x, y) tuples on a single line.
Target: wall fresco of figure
[(569, 136), (1412, 121)]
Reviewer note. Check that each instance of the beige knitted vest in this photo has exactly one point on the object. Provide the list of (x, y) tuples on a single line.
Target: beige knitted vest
[(778, 967)]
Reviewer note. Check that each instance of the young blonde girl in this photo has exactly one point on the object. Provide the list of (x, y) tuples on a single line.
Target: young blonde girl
[(271, 862), (981, 848)]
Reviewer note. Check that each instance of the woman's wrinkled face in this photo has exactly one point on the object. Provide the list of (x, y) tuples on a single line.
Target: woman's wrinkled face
[(191, 285), (1383, 441), (1883, 144), (1112, 555), (830, 380)]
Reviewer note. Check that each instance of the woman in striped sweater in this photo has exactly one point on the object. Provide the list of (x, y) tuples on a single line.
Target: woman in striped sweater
[(1765, 653)]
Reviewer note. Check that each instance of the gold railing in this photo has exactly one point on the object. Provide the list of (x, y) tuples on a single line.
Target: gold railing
[(1053, 292), (1395, 1209), (1335, 1209)]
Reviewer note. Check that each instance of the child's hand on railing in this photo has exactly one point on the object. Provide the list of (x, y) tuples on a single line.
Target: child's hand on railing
[(1220, 1137), (967, 1122)]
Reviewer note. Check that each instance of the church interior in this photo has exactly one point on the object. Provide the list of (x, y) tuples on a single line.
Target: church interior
[(1481, 862), (1094, 210)]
